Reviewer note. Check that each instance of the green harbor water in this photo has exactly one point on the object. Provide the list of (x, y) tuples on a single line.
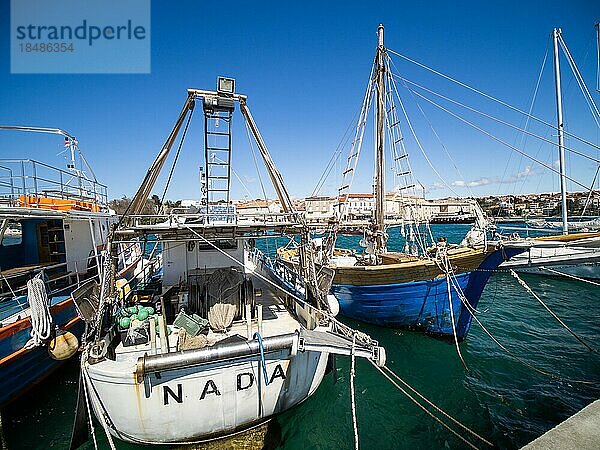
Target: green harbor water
[(497, 396)]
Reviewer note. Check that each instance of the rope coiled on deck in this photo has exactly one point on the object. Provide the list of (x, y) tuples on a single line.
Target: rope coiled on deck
[(39, 307)]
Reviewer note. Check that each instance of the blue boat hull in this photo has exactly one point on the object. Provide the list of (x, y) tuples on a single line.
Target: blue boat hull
[(421, 305), (21, 369)]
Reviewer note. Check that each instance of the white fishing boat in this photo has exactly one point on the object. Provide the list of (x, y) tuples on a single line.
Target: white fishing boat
[(229, 340), (572, 254)]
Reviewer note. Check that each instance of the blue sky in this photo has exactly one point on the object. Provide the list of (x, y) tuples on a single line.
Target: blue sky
[(304, 66)]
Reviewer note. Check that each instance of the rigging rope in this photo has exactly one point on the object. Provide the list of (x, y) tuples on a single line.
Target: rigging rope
[(488, 116), (336, 155), (86, 394), (447, 268), (530, 111), (435, 134), (466, 86), (187, 124), (262, 357), (101, 412), (419, 142), (528, 289), (580, 81), (262, 186), (41, 318), (547, 166)]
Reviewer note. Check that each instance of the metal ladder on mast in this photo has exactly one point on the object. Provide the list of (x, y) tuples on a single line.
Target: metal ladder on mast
[(403, 177), (217, 155)]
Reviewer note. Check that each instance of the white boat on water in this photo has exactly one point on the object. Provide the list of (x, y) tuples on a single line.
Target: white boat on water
[(576, 254), (229, 340)]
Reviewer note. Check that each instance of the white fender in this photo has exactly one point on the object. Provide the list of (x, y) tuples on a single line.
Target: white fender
[(334, 305)]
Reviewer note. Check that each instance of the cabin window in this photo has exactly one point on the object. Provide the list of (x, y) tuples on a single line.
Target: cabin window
[(13, 235), (223, 244)]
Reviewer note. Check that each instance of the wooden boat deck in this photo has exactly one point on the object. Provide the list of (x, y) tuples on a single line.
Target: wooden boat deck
[(568, 237), (276, 320), (401, 267), (409, 268), (23, 270)]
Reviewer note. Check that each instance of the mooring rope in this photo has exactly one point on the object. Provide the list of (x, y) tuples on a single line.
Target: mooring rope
[(569, 275), (433, 405), (87, 399), (100, 414), (517, 358), (262, 357), (437, 419), (447, 268), (352, 395), (528, 289)]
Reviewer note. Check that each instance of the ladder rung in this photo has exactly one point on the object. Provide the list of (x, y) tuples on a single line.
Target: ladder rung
[(218, 133), (401, 156), (218, 164), (391, 109), (394, 124), (217, 177), (399, 140), (344, 187), (218, 116), (403, 174), (407, 187), (219, 149), (218, 190), (347, 170)]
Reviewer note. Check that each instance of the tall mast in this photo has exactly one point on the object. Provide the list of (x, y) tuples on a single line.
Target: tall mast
[(560, 127), (380, 137), (598, 56)]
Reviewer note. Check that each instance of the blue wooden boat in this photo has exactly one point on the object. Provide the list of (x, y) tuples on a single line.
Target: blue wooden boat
[(397, 295), (433, 287), (22, 368)]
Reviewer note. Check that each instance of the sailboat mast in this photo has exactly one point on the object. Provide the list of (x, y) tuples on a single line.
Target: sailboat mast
[(380, 135), (560, 128)]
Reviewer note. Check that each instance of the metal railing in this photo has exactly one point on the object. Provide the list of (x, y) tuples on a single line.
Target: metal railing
[(177, 219), (25, 182)]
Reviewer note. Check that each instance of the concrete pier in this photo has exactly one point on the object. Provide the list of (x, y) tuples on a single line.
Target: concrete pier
[(580, 431)]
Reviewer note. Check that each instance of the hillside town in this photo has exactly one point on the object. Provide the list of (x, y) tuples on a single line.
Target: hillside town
[(541, 205)]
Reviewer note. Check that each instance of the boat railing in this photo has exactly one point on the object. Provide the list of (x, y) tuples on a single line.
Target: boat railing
[(75, 277), (182, 219), (141, 278), (285, 273), (31, 183)]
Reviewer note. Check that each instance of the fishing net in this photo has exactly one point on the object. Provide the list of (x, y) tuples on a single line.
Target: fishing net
[(223, 298), (187, 342)]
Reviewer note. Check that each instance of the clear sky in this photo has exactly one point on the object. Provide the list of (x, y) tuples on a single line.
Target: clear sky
[(304, 66)]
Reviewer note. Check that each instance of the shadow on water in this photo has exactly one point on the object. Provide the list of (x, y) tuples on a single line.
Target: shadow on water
[(497, 396)]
